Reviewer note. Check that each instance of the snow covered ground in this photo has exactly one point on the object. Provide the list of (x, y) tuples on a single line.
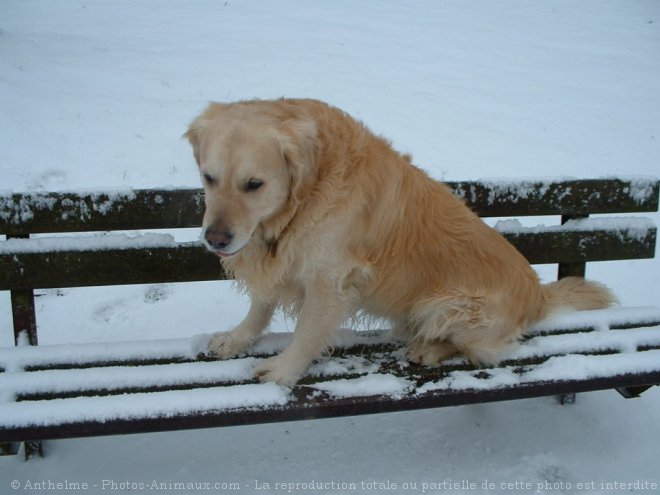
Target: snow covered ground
[(97, 94)]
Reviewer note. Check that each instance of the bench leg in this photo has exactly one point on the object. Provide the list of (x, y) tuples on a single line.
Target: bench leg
[(577, 269), (25, 333), (24, 316), (33, 448)]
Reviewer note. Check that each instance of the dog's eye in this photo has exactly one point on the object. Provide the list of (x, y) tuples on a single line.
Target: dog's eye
[(208, 179), (253, 185)]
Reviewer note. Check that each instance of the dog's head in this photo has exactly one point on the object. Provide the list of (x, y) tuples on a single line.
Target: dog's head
[(256, 161)]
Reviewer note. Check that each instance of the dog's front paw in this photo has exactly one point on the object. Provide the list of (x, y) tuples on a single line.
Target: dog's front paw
[(280, 370), (226, 345)]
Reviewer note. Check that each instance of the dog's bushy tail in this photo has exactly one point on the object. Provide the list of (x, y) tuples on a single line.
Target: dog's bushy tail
[(575, 293)]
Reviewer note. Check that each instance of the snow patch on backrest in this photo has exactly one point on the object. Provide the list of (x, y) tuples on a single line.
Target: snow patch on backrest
[(642, 189), (634, 227), (17, 209), (102, 242)]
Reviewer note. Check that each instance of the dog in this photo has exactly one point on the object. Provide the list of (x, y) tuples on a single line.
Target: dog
[(313, 213)]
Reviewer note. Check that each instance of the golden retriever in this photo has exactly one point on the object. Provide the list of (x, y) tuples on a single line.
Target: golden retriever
[(313, 213)]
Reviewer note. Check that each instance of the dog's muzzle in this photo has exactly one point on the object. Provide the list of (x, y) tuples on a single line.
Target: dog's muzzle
[(218, 240)]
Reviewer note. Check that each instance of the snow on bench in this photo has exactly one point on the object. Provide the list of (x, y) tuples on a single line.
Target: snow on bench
[(631, 227), (99, 242), (99, 238), (21, 208), (93, 389)]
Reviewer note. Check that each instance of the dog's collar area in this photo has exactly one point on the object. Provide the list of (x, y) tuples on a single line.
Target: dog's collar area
[(271, 244)]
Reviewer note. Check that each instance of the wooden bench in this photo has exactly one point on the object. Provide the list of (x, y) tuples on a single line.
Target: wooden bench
[(62, 391)]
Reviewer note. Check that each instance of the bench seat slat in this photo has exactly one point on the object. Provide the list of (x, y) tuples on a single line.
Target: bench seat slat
[(366, 375), (45, 212), (189, 261), (220, 406), (309, 407), (65, 377), (134, 377)]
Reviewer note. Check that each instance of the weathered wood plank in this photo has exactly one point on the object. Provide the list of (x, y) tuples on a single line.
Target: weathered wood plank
[(186, 262), (570, 197), (22, 213), (100, 211), (191, 262), (576, 246), (309, 404)]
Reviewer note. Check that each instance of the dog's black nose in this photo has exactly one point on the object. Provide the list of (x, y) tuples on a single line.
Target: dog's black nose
[(218, 238)]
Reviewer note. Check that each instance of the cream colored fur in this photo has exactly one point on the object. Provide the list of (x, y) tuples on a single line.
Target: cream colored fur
[(343, 223)]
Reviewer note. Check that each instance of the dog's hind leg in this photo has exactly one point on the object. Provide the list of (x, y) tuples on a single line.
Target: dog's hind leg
[(430, 353), (453, 322)]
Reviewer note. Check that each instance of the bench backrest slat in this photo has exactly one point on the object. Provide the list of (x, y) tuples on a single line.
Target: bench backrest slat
[(47, 213), (186, 263), (559, 197), (77, 261), (31, 213), (191, 262)]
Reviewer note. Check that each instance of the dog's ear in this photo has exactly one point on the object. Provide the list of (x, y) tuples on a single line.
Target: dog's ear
[(193, 135), (299, 150), (197, 127)]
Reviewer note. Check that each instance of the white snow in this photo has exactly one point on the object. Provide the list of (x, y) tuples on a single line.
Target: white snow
[(625, 341), (21, 211), (633, 227), (88, 353), (101, 242), (600, 319), (118, 377), (96, 95), (13, 359), (160, 404), (17, 210), (641, 189), (341, 366), (554, 369), (519, 189), (371, 384)]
